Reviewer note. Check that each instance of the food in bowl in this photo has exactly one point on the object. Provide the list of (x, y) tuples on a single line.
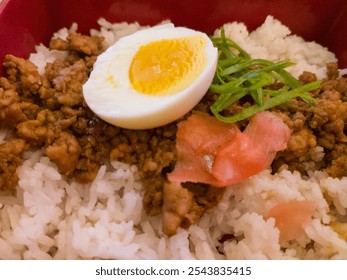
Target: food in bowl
[(87, 189)]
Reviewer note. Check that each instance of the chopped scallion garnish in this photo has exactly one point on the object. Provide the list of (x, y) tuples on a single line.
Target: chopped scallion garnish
[(238, 75)]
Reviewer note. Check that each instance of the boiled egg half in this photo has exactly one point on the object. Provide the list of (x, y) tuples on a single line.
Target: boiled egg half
[(151, 77)]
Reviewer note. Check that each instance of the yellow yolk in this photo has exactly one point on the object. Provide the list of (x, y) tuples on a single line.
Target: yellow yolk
[(167, 66)]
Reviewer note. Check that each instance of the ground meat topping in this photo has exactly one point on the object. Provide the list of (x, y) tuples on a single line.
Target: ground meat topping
[(183, 205), (88, 45), (23, 74), (48, 110), (65, 152), (68, 84), (10, 159), (319, 128), (177, 205)]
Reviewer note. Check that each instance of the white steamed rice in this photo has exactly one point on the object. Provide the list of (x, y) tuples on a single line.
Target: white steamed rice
[(51, 215)]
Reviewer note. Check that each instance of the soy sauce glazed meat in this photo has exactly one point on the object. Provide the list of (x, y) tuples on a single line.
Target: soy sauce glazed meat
[(48, 112), (318, 139)]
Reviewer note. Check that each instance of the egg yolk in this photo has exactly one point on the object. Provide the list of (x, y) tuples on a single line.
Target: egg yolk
[(167, 66)]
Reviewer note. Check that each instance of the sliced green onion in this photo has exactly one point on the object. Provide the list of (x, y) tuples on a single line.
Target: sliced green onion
[(278, 99), (238, 75)]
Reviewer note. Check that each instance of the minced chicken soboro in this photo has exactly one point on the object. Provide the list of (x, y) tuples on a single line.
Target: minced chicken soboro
[(74, 187)]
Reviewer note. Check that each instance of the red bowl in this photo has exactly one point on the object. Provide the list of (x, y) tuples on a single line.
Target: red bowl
[(26, 23)]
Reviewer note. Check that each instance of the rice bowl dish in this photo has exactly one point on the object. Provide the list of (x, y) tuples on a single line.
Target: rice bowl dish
[(52, 216)]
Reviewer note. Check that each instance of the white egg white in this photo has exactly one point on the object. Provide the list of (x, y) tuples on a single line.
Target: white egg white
[(110, 95)]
